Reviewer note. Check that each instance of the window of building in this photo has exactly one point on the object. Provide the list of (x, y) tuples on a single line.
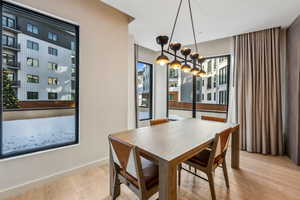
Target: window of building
[(209, 63), (33, 78), (9, 41), (144, 87), (52, 36), (173, 73), (52, 95), (32, 45), (32, 29), (8, 22), (209, 97), (52, 66), (52, 51), (202, 97), (209, 83), (30, 90), (32, 95), (223, 76), (215, 97), (52, 81), (32, 62)]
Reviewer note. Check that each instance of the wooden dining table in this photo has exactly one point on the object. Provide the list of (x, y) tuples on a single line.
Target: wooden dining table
[(172, 143)]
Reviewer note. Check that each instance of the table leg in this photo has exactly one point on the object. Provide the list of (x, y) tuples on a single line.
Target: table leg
[(235, 151), (167, 181)]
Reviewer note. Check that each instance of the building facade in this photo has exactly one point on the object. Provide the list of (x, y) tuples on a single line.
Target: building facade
[(38, 58)]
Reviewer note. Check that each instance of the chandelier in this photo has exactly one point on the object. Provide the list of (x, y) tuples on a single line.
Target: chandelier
[(181, 62)]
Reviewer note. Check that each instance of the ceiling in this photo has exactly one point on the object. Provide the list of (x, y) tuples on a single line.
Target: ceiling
[(214, 19)]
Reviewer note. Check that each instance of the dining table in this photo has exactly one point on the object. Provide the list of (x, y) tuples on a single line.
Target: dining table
[(172, 143)]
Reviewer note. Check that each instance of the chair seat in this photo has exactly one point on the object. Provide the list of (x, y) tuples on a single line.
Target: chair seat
[(150, 172), (201, 158)]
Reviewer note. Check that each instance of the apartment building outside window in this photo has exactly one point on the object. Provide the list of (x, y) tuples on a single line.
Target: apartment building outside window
[(52, 36), (52, 66), (209, 65), (8, 22), (32, 62), (8, 59), (52, 51), (33, 78), (52, 95), (32, 45), (32, 95), (223, 76), (32, 29)]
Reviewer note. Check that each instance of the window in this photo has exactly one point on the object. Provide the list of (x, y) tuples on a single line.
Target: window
[(32, 45), (32, 29), (9, 41), (215, 81), (32, 62), (209, 83), (9, 59), (173, 73), (33, 78), (209, 63), (215, 97), (209, 97), (52, 81), (52, 66), (52, 95), (8, 22), (53, 36), (32, 95), (223, 76), (26, 87), (52, 51), (144, 90)]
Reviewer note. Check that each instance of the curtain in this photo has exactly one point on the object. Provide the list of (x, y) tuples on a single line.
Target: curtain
[(258, 91)]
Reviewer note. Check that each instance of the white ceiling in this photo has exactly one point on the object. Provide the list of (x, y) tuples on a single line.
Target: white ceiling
[(213, 18)]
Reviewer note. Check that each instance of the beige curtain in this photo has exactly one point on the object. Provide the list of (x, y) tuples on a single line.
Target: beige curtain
[(258, 87)]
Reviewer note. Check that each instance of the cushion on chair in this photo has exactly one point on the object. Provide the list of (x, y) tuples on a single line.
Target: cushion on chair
[(150, 172), (201, 158)]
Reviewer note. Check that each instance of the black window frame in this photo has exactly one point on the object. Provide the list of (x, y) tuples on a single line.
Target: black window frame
[(32, 44), (31, 93), (52, 51), (60, 23), (52, 93), (150, 92), (194, 86)]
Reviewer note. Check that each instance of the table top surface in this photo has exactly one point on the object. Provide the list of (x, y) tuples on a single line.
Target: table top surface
[(170, 140)]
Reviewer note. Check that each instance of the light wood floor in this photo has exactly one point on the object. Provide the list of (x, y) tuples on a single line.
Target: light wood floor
[(260, 178)]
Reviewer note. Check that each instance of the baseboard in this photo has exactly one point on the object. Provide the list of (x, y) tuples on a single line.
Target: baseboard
[(19, 189)]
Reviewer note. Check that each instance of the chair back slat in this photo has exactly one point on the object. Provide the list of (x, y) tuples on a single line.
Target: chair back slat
[(216, 119), (123, 155), (220, 145), (158, 121)]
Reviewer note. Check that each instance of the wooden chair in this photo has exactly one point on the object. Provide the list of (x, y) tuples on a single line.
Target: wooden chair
[(209, 159), (130, 168), (158, 121), (216, 119)]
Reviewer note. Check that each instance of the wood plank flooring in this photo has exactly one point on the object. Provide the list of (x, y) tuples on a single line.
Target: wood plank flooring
[(260, 178)]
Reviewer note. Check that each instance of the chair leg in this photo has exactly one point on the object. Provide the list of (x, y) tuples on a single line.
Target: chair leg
[(179, 174), (210, 176), (224, 166), (116, 188)]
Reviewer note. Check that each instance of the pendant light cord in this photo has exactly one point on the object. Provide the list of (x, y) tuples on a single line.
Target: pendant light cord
[(193, 27), (174, 25)]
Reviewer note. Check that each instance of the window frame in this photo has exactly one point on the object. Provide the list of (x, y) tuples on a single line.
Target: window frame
[(194, 87), (150, 92), (60, 22)]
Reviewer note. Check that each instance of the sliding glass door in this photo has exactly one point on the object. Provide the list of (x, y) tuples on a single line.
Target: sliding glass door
[(39, 88), (144, 74)]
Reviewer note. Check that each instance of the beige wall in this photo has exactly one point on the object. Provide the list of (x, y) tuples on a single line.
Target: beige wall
[(103, 91)]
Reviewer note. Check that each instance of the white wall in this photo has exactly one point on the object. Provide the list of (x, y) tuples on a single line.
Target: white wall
[(103, 92)]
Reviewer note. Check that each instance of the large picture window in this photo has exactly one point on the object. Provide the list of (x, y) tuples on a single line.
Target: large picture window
[(190, 96), (39, 104), (144, 91)]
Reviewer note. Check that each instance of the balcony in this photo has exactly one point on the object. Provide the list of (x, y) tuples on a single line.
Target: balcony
[(16, 84), (13, 29), (14, 47), (13, 65)]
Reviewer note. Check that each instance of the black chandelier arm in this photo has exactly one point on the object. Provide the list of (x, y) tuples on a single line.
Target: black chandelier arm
[(174, 25), (181, 58), (193, 26)]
